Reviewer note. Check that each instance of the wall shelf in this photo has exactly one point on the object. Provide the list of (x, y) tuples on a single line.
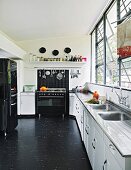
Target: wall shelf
[(55, 64)]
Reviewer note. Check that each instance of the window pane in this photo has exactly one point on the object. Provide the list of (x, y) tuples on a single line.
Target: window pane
[(100, 77), (93, 73), (100, 53), (126, 73), (125, 6), (100, 63), (111, 46), (100, 31)]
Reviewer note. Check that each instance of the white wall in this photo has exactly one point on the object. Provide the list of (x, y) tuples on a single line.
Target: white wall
[(79, 46)]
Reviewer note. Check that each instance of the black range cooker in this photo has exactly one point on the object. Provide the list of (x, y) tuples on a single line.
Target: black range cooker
[(51, 102)]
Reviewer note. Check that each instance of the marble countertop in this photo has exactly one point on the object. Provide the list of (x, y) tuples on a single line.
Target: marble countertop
[(119, 132)]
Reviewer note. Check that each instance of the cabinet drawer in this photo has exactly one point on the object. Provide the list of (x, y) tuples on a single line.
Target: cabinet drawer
[(115, 152)]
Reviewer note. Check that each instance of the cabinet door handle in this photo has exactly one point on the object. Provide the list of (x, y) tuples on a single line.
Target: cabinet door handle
[(94, 142), (86, 131), (112, 147), (93, 146), (104, 164)]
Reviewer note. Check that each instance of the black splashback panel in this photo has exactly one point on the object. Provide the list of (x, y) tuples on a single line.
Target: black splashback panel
[(52, 81)]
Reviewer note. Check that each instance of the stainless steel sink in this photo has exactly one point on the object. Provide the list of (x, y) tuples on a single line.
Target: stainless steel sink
[(114, 116), (103, 107), (98, 106)]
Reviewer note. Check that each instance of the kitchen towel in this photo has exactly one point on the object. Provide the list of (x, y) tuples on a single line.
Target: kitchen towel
[(124, 39)]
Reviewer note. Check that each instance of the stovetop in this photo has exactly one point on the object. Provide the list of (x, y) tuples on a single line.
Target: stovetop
[(54, 90), (57, 89)]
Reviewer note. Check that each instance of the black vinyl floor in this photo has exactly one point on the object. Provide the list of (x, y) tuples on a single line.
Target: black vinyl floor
[(44, 144)]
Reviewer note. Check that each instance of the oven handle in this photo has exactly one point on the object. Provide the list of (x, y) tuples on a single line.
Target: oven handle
[(13, 104), (50, 96), (13, 95)]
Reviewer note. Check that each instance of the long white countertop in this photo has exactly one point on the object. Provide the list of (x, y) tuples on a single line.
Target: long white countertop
[(119, 132)]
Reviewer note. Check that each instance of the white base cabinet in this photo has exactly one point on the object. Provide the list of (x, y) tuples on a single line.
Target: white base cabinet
[(99, 151), (27, 103), (110, 162), (94, 143), (78, 113), (72, 98), (103, 155)]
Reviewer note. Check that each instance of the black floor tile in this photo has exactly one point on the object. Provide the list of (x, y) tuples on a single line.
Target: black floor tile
[(44, 144)]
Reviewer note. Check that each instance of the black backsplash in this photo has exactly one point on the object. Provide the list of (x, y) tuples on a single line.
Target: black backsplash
[(53, 81)]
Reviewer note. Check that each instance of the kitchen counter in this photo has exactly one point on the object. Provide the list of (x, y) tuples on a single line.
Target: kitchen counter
[(119, 132), (28, 92)]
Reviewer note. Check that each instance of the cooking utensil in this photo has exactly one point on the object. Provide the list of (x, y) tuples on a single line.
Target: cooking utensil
[(47, 73), (53, 71), (78, 72), (59, 76), (64, 73), (44, 76), (51, 75), (39, 73)]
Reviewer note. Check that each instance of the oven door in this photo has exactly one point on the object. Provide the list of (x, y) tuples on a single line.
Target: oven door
[(51, 105)]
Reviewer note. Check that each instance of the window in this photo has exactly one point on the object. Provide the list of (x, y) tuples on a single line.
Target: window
[(109, 69), (100, 52), (105, 44), (111, 46)]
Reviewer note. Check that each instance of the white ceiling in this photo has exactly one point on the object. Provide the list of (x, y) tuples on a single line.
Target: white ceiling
[(38, 19)]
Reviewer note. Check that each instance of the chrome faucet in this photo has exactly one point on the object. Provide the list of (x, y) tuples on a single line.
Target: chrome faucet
[(122, 99)]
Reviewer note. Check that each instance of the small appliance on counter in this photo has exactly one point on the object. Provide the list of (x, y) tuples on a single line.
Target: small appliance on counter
[(29, 88)]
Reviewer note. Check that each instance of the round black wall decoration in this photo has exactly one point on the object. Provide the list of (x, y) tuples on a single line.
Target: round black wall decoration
[(55, 52), (42, 50), (67, 50)]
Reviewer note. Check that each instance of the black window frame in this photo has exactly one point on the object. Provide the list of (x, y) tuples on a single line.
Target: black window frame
[(119, 20)]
